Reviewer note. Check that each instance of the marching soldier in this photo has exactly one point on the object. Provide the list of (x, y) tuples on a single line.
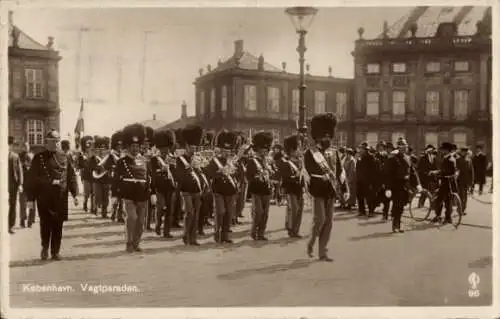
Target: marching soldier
[(189, 183), (133, 181), (401, 178), (207, 199), (259, 184), (325, 171), (293, 184), (109, 164), (100, 175), (147, 150), (465, 176), (53, 178), (276, 177), (84, 165), (178, 213), (163, 181), (241, 178), (206, 191), (220, 171)]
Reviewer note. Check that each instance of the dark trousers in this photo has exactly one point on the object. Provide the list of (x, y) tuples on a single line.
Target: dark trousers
[(178, 215), (322, 224), (260, 214), (191, 206), (443, 198), (365, 193), (23, 201), (12, 205), (398, 205), (206, 203), (150, 211), (51, 233), (165, 208), (241, 199), (481, 187), (462, 193), (224, 211)]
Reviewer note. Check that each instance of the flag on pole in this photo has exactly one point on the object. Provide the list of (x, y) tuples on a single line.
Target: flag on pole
[(80, 126)]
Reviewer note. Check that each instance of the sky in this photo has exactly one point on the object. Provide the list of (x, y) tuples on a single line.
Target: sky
[(176, 43)]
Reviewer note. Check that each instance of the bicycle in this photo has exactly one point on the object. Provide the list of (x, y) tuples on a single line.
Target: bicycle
[(421, 208), (454, 202)]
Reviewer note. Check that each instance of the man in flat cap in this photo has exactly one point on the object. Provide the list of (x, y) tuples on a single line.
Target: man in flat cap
[(465, 175), (480, 165), (447, 174), (382, 157), (15, 182), (53, 179), (367, 180), (402, 177)]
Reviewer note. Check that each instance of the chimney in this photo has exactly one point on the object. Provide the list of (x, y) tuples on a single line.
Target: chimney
[(184, 110), (154, 117), (283, 66), (330, 71), (260, 65), (11, 17), (238, 48)]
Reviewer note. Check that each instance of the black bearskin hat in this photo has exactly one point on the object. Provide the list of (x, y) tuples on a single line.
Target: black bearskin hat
[(192, 135), (11, 140), (291, 143), (208, 139), (164, 139), (149, 134), (262, 140), (65, 146), (133, 133), (226, 140), (447, 146), (323, 125), (116, 139), (86, 142), (102, 142)]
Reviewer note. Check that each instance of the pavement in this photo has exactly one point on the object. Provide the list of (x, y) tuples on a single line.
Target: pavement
[(425, 266)]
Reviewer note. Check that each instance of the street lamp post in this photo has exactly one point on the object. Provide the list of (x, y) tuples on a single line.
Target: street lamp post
[(302, 18)]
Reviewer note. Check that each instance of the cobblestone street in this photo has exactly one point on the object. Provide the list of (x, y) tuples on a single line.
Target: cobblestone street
[(425, 266)]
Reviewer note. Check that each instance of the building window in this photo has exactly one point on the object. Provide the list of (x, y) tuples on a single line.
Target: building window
[(372, 138), (432, 103), (34, 132), (398, 103), (34, 83), (273, 99), (341, 102), (341, 138), (202, 103), (373, 68), (460, 139), (212, 101), (461, 66), (250, 97), (431, 138), (395, 137), (432, 67), (223, 102), (461, 104), (372, 103), (319, 102), (295, 101), (399, 67)]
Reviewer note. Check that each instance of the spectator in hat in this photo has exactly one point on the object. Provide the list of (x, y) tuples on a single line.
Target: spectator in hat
[(382, 157), (366, 174), (447, 174), (427, 171), (350, 172), (402, 177), (15, 181), (26, 157), (480, 165), (465, 176)]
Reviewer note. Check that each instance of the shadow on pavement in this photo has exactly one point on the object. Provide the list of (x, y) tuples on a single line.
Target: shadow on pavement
[(372, 222), (267, 270), (373, 236), (91, 225), (96, 235), (482, 262)]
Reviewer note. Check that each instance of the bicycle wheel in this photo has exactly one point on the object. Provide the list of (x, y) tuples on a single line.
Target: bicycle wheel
[(456, 209), (410, 201), (420, 205), (432, 201)]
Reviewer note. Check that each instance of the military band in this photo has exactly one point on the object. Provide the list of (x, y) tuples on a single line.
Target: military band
[(195, 175)]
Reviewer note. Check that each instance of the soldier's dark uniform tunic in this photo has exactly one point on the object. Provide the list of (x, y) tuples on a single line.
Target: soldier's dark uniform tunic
[(133, 182), (84, 165), (224, 188), (53, 178), (109, 164)]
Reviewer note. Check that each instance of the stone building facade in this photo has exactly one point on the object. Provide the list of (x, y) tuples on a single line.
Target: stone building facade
[(33, 87)]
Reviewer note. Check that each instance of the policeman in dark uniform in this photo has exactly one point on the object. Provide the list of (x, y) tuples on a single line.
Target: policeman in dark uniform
[(53, 178), (402, 177)]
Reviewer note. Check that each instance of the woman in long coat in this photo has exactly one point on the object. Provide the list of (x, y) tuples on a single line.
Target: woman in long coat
[(350, 171)]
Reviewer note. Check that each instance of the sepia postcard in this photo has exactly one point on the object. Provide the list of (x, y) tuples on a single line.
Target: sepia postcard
[(249, 160)]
